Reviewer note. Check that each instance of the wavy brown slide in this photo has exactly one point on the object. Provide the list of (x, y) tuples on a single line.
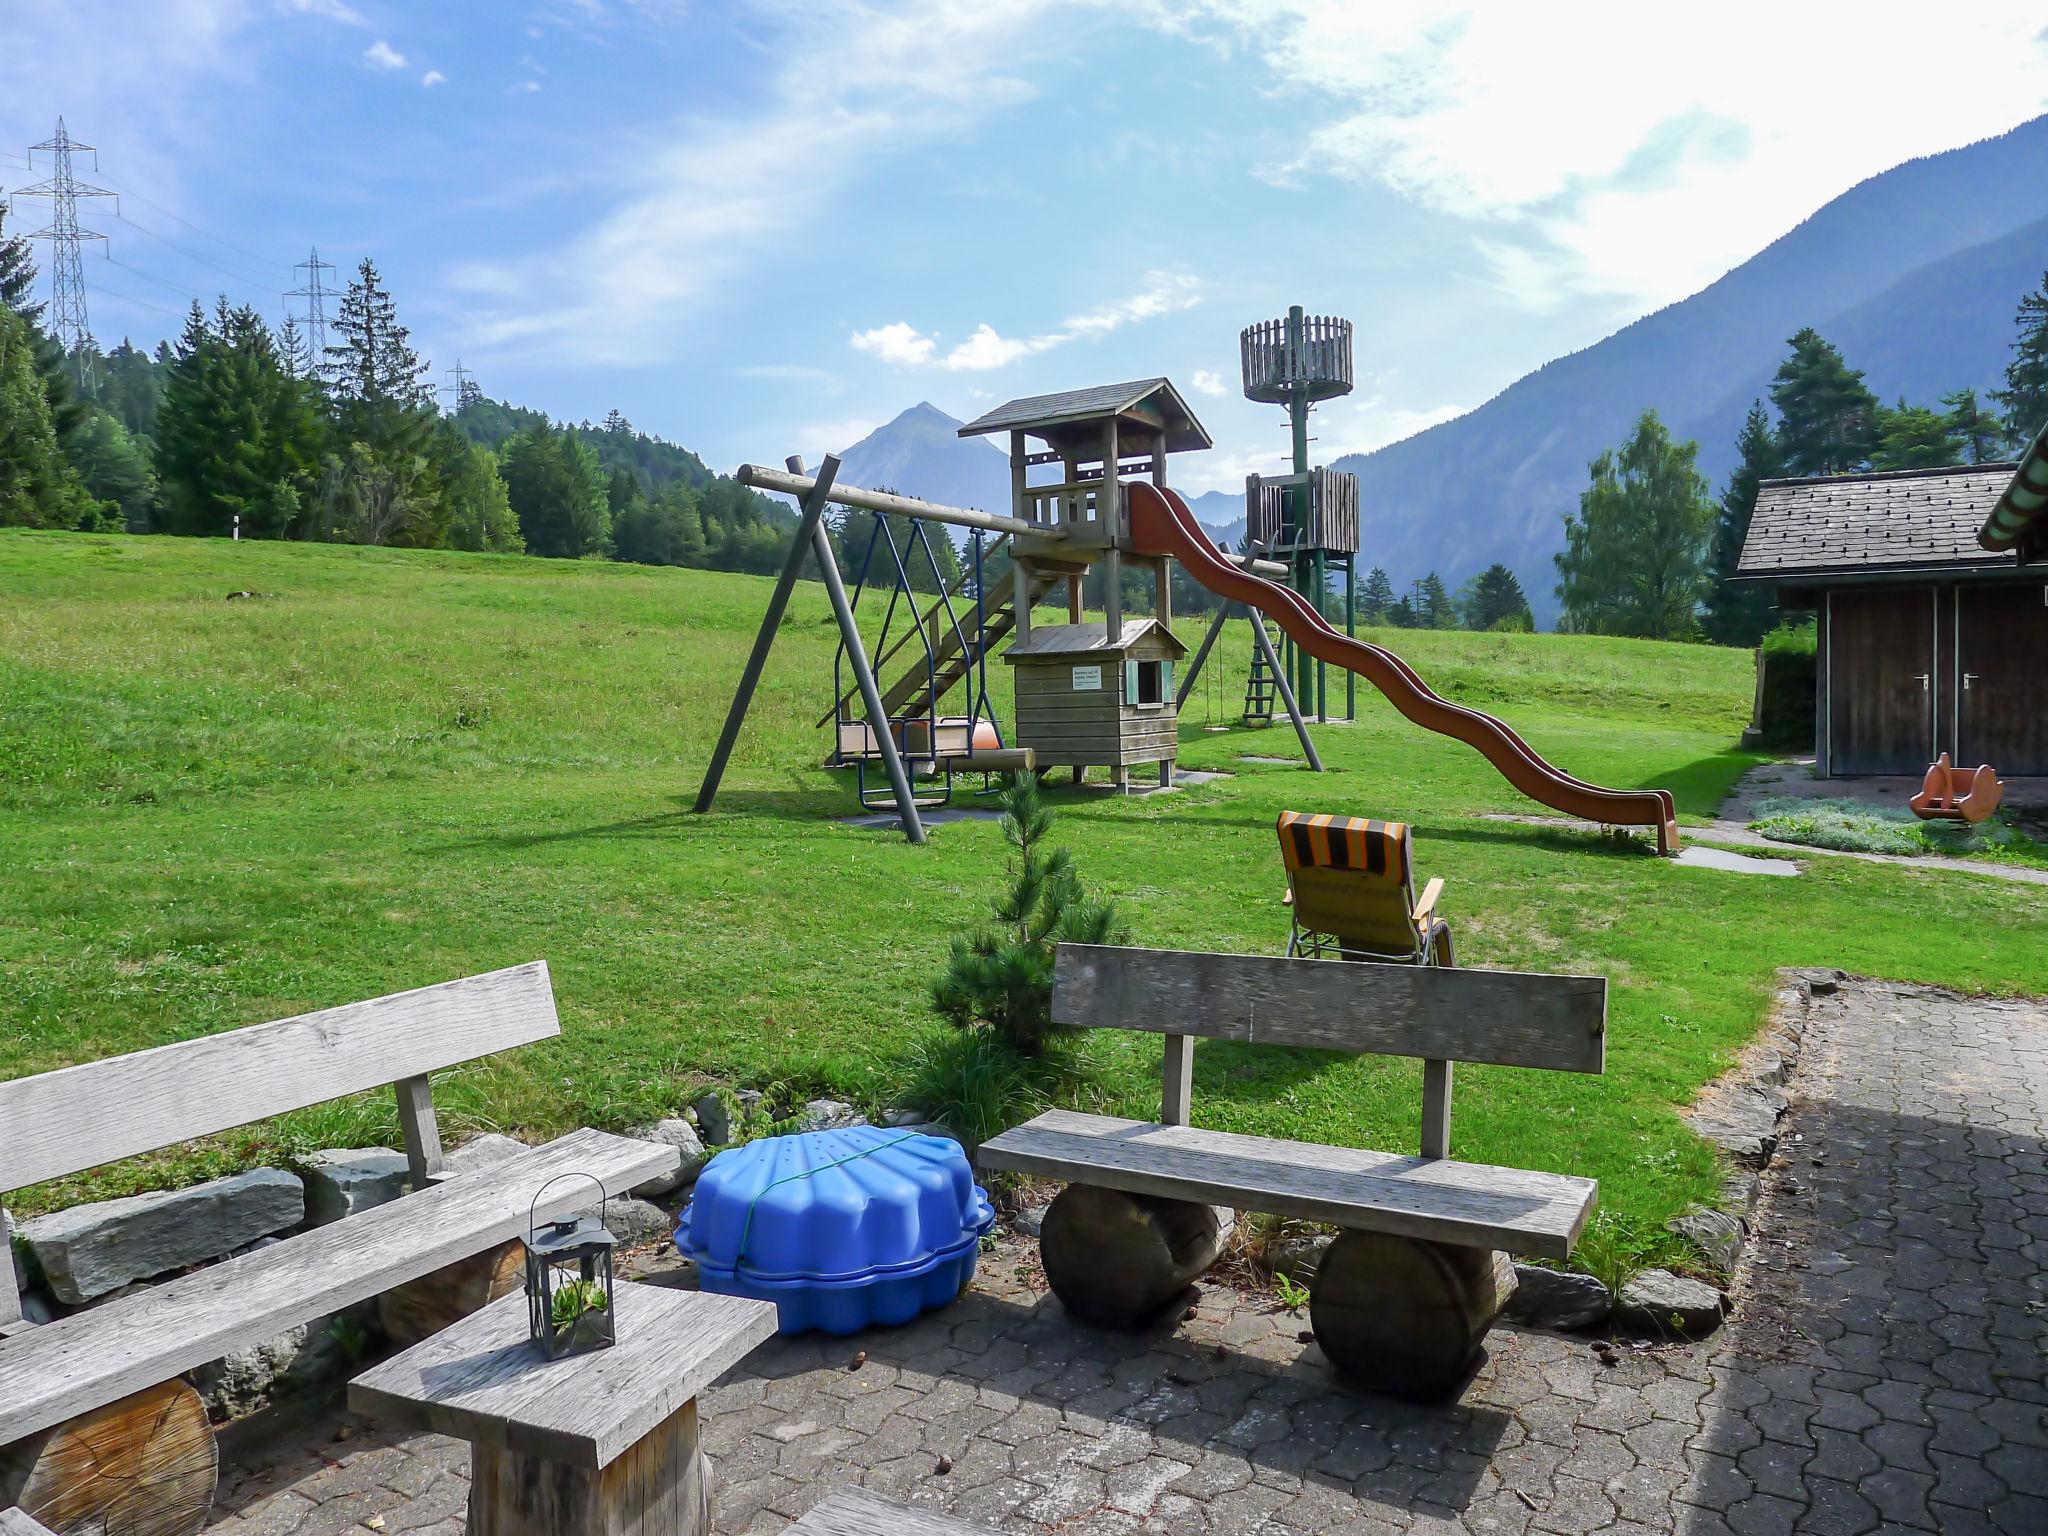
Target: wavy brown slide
[(1161, 524)]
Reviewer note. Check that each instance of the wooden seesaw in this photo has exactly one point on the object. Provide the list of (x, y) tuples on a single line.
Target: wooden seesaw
[(1957, 794)]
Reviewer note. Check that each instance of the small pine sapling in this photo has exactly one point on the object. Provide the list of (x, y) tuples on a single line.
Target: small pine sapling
[(1001, 974)]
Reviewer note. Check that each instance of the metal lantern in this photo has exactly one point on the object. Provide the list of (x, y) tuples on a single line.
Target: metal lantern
[(569, 1286)]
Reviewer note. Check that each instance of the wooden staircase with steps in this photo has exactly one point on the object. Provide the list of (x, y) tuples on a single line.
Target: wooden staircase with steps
[(1261, 688)]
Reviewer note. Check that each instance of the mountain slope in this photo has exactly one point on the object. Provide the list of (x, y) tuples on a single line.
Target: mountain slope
[(920, 454), (1871, 270)]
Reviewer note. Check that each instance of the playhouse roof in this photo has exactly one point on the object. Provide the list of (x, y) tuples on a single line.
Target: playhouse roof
[(1083, 639), (1150, 405), (1872, 525), (2020, 520)]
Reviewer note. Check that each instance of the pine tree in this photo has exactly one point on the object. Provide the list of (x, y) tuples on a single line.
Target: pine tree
[(1493, 599), (616, 424), (1376, 597), (1828, 419), (38, 487), (115, 470), (480, 515), (377, 382), (557, 491), (1912, 437), (17, 292), (1001, 975), (1738, 613), (1433, 609), (1977, 435), (1635, 555), (2024, 400)]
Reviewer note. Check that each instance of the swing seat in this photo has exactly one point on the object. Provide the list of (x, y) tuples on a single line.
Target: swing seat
[(1957, 794)]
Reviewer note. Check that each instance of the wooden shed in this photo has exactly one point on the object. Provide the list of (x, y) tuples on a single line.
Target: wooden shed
[(1085, 700), (1929, 642)]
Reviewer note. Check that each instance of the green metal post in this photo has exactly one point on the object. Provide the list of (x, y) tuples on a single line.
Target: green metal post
[(1322, 588), (1350, 628)]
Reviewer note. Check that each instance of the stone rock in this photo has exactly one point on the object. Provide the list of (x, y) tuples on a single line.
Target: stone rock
[(906, 1120), (1296, 1255), (1742, 1122), (343, 1181), (251, 1377), (483, 1151), (90, 1250), (1718, 1234), (1738, 1190), (1660, 1303), (634, 1222), (681, 1135), (1557, 1299), (828, 1115), (1029, 1219), (714, 1120)]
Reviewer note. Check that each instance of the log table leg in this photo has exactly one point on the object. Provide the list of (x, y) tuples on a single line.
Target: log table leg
[(1404, 1316), (144, 1466), (1117, 1259), (660, 1487)]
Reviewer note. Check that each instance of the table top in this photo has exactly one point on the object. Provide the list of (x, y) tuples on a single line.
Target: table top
[(482, 1380)]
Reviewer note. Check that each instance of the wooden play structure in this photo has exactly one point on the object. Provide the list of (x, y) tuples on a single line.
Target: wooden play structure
[(1957, 794), (1110, 508), (1403, 1299)]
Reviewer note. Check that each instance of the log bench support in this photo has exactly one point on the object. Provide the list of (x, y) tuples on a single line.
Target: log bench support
[(1403, 1299), (660, 1487)]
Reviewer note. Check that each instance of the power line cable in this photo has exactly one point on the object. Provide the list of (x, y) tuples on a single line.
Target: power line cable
[(179, 289), (198, 229), (268, 284)]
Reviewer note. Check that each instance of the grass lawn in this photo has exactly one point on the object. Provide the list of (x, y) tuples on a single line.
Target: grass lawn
[(391, 768)]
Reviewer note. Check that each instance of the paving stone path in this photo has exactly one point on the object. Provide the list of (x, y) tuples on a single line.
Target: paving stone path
[(1884, 1369)]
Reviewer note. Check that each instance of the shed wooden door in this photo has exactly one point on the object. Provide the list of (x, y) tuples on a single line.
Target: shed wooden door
[(2002, 711), (1881, 680)]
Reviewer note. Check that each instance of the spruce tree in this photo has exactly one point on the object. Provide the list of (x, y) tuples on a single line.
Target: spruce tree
[(38, 487), (1494, 599), (1978, 436), (556, 489), (377, 382), (1635, 555), (1828, 419), (17, 292), (1433, 608), (1912, 437), (2024, 400), (1738, 613), (1376, 597)]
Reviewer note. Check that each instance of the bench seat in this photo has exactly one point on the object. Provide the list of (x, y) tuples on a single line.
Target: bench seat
[(1510, 1209), (50, 1373)]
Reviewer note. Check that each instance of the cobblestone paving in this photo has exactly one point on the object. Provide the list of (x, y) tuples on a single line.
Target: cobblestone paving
[(1884, 1371)]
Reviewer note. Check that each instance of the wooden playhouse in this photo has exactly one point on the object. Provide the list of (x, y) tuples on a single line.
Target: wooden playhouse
[(1086, 699)]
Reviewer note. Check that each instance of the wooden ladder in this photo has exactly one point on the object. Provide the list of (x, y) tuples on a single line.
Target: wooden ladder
[(1261, 688)]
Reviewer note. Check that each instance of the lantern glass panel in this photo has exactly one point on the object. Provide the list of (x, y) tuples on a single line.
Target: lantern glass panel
[(569, 1287)]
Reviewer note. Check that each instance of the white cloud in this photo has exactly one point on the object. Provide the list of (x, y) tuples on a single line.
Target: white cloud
[(331, 10), (901, 77), (1628, 149), (904, 346), (818, 438), (823, 380), (897, 342), (432, 78), (1209, 382), (384, 56)]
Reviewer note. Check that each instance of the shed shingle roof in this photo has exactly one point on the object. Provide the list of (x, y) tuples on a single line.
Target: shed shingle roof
[(1896, 520), (1184, 431), (1082, 639)]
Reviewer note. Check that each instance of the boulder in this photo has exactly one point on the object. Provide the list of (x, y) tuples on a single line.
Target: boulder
[(1558, 1299), (90, 1250), (634, 1222), (906, 1120), (345, 1180), (1717, 1234), (1742, 1122), (251, 1377), (681, 1135), (1296, 1255), (1661, 1304), (828, 1115), (714, 1120), (484, 1151)]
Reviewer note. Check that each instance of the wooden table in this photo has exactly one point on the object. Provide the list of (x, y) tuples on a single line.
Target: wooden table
[(603, 1444)]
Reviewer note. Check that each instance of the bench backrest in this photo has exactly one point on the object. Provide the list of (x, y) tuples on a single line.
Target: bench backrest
[(1439, 1014), (99, 1112)]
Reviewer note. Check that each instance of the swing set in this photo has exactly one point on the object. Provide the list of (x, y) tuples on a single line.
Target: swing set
[(929, 743)]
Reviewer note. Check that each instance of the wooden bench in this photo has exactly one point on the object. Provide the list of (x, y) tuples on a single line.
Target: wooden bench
[(856, 1512), (91, 1411), (1403, 1298)]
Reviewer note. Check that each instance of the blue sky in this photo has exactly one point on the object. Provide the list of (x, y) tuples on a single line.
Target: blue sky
[(764, 226)]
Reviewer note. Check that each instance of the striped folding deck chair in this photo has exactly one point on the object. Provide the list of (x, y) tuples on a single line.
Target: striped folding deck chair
[(1351, 890)]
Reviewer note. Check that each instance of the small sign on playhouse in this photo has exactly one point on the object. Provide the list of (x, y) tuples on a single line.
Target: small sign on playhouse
[(1088, 679)]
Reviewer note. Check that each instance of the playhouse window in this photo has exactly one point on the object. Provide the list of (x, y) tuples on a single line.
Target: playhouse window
[(1147, 683)]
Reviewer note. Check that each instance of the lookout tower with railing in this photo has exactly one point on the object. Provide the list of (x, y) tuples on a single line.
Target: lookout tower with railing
[(1307, 519)]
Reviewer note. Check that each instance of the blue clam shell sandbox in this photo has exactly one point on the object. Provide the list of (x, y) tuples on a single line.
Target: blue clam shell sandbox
[(840, 1229)]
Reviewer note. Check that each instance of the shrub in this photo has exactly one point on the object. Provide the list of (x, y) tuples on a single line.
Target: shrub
[(1788, 663), (1000, 976)]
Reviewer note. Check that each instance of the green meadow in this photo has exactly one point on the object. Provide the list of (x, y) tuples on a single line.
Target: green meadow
[(383, 769)]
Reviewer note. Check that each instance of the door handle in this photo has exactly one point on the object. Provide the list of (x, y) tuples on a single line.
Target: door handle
[(1968, 679), (1922, 676)]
